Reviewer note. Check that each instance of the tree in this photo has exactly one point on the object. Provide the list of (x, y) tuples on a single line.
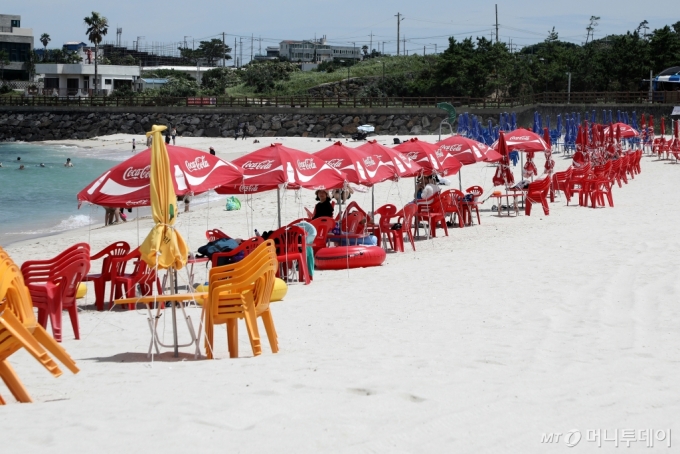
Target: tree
[(211, 51), (4, 61), (264, 77), (45, 39), (97, 28), (217, 80)]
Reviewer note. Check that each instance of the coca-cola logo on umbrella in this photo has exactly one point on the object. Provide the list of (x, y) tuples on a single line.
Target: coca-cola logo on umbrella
[(307, 164), (250, 188), (335, 163), (439, 154), (262, 165), (137, 202), (519, 138), (136, 174), (197, 164), (412, 155), (454, 148), (369, 162)]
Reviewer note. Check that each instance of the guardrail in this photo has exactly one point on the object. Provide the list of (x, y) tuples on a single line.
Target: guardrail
[(340, 101)]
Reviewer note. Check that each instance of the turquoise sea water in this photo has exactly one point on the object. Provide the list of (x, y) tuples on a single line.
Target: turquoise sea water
[(39, 201)]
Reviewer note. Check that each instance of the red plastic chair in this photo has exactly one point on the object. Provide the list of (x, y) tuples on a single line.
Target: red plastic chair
[(53, 285), (406, 220), (451, 202), (354, 222), (560, 182), (432, 211), (123, 284), (291, 246), (246, 247), (386, 213), (99, 280), (323, 225), (216, 234), (310, 214), (596, 189), (537, 192), (477, 191), (576, 182)]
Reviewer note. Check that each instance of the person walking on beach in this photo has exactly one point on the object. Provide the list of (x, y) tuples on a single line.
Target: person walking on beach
[(239, 128), (134, 144), (167, 138), (212, 152), (245, 131), (68, 163), (174, 134)]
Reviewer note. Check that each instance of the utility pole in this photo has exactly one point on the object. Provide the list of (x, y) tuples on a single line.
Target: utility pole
[(399, 19), (252, 46), (138, 39), (496, 23), (423, 50), (185, 41), (240, 49), (569, 88), (404, 50), (235, 58), (260, 39), (224, 60), (370, 46)]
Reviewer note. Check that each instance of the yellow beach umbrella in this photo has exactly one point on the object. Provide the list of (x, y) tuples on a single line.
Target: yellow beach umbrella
[(164, 247)]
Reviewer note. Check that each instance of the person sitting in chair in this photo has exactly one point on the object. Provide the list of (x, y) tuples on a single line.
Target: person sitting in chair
[(430, 188)]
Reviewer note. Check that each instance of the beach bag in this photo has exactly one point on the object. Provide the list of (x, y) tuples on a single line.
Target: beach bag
[(233, 204), (221, 245)]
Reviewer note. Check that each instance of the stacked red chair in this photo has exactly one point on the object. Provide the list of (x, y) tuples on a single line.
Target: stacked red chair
[(537, 192), (124, 285), (291, 247), (53, 285), (118, 249)]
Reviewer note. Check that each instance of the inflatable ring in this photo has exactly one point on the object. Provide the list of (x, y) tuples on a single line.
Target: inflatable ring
[(343, 257), (278, 292), (82, 290)]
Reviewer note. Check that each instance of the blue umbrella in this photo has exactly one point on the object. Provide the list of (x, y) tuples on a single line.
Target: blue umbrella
[(513, 125)]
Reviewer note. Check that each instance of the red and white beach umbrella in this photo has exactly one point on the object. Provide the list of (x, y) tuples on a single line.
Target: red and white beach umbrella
[(127, 184), (522, 140), (627, 131), (429, 157), (402, 166), (279, 167), (467, 151), (358, 165)]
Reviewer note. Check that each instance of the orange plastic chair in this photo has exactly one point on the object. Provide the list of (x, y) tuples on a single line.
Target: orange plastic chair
[(291, 246), (242, 290), (246, 247), (19, 329), (117, 249)]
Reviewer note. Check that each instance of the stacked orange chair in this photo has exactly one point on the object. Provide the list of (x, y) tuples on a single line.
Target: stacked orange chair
[(242, 290), (19, 329), (54, 283)]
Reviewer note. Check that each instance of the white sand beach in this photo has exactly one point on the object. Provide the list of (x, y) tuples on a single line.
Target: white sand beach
[(481, 341)]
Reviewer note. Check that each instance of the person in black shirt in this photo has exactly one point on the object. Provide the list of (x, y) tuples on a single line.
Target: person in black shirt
[(324, 207)]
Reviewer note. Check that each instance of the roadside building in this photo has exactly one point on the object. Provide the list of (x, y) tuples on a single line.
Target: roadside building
[(18, 43)]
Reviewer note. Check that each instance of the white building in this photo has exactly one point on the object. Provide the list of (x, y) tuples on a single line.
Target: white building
[(18, 43), (78, 79), (317, 51)]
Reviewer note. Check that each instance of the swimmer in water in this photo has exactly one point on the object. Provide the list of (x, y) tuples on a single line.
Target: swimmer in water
[(42, 165), (19, 158), (21, 167), (68, 163)]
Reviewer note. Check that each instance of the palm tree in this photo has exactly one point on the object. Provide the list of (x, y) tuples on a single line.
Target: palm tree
[(45, 39), (97, 27)]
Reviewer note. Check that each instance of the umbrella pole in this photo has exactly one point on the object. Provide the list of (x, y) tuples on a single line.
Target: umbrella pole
[(173, 285), (278, 203), (460, 181), (373, 201)]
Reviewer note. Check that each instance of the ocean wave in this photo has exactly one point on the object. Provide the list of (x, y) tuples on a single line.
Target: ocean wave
[(72, 222)]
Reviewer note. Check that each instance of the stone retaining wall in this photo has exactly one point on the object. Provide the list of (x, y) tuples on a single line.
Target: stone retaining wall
[(34, 126)]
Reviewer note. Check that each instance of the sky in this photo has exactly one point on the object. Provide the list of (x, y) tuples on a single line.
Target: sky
[(257, 24)]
